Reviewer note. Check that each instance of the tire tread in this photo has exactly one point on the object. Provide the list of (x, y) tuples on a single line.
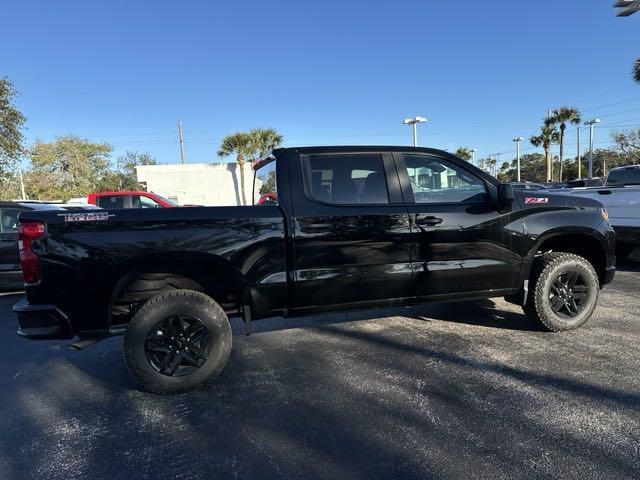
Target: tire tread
[(128, 351), (542, 270)]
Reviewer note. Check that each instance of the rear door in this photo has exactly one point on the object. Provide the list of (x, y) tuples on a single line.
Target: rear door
[(459, 243), (350, 229)]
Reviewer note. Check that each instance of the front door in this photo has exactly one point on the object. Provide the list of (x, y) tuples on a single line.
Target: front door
[(351, 230), (460, 243)]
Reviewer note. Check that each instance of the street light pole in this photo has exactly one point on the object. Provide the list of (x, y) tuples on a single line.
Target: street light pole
[(579, 161), (473, 155), (413, 122), (591, 123), (518, 140)]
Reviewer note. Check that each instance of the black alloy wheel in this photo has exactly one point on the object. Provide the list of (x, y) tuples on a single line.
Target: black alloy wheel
[(568, 294), (563, 291), (177, 345)]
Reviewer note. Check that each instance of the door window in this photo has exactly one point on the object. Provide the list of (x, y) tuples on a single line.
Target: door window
[(140, 201), (434, 180), (346, 179)]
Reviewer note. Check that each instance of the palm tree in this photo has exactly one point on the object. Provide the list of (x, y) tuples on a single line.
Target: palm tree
[(548, 136), (491, 165), (561, 116), (241, 145), (636, 71), (264, 140), (464, 153)]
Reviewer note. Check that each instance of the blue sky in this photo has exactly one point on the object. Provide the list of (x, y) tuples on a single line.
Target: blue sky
[(329, 72)]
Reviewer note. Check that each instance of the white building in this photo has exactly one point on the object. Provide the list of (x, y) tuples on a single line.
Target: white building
[(199, 183)]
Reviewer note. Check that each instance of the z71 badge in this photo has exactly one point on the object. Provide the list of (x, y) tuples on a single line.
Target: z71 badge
[(86, 216), (535, 200)]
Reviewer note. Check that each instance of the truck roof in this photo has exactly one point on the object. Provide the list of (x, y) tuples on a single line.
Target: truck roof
[(625, 167), (126, 192), (377, 148)]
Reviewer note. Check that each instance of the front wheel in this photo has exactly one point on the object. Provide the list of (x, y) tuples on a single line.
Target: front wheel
[(178, 340), (563, 291)]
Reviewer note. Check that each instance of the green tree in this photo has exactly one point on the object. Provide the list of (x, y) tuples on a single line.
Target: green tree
[(269, 183), (636, 71), (491, 166), (11, 138), (464, 153), (532, 169), (68, 167), (242, 146), (628, 141), (561, 116), (124, 177), (548, 136)]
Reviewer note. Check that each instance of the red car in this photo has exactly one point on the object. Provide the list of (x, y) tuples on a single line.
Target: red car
[(129, 200)]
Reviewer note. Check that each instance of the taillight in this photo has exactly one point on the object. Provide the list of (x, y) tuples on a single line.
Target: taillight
[(27, 233)]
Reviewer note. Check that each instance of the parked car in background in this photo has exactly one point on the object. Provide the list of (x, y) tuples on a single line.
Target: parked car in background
[(528, 186), (620, 195), (114, 200), (10, 271), (586, 182)]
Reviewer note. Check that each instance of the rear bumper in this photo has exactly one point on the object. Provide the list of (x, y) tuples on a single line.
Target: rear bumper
[(42, 321)]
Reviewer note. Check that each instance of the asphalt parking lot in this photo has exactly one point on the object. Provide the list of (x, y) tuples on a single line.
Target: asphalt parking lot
[(442, 391)]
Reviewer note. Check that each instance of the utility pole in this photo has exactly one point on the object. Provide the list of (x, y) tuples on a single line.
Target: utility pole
[(181, 142), (579, 161), (119, 175), (24, 195), (518, 140), (591, 123)]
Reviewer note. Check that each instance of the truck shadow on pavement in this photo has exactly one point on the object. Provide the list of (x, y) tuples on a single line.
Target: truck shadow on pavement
[(482, 313), (340, 400), (369, 394)]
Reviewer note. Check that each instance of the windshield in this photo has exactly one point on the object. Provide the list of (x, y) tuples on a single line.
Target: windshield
[(165, 199)]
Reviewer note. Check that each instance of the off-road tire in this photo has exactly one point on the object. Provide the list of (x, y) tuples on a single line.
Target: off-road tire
[(545, 271), (166, 305)]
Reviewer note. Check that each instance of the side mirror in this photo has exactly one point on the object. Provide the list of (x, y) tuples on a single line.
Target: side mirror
[(505, 197)]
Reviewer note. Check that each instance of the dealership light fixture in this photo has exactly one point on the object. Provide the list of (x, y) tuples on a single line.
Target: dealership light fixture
[(413, 122)]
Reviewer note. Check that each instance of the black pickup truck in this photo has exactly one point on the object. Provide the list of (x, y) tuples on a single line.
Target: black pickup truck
[(338, 227)]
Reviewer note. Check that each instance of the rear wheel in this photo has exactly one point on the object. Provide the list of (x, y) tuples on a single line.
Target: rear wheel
[(178, 340), (563, 291)]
